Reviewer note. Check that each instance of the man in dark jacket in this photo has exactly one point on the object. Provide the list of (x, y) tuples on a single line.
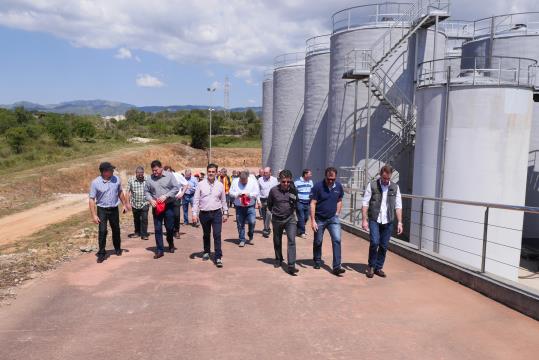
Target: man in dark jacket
[(381, 202), (282, 202)]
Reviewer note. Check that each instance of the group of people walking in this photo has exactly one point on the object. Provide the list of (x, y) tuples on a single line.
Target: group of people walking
[(285, 205)]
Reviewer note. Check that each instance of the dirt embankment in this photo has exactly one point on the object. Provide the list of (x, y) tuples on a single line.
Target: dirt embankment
[(28, 188)]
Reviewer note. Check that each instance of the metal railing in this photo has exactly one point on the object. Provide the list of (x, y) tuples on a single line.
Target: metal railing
[(479, 70), (532, 158), (289, 59), (522, 23), (372, 14), (460, 29), (317, 45), (404, 24), (480, 236)]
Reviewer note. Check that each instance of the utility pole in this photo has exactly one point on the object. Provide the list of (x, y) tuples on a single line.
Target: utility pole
[(210, 91)]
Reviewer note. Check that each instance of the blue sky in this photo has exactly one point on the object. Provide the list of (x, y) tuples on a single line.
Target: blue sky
[(41, 68), (164, 52)]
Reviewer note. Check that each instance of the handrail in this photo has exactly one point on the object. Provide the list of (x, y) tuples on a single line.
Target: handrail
[(356, 16), (479, 70), (506, 22), (532, 158), (462, 29), (317, 45), (289, 59)]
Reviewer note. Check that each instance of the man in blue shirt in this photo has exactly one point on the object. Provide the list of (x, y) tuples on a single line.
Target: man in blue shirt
[(192, 183), (304, 185), (326, 205), (105, 196)]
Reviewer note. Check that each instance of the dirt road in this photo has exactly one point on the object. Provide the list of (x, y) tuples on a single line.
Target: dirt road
[(25, 223)]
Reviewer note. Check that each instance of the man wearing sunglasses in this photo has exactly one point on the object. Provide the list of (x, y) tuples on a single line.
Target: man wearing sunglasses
[(282, 201), (326, 205)]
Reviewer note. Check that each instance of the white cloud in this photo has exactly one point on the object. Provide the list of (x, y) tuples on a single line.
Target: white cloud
[(234, 32), (146, 80), (123, 53), (216, 85), (209, 73)]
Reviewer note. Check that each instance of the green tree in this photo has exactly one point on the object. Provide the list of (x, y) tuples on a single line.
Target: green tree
[(199, 134), (84, 129), (7, 120), (16, 138), (60, 130), (23, 117), (250, 115)]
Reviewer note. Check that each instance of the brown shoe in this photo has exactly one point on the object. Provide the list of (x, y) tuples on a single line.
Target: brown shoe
[(370, 272), (158, 255), (380, 273)]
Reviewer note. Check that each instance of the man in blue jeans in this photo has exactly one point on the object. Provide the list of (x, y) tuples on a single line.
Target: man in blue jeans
[(192, 184), (160, 191), (381, 201), (304, 185), (326, 205), (245, 192)]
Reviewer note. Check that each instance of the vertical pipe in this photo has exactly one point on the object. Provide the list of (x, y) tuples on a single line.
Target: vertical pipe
[(488, 60), (435, 37), (368, 135), (443, 149), (485, 235), (354, 134)]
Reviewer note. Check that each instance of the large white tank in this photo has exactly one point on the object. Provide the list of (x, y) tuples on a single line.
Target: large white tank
[(486, 152), (457, 32), (267, 117), (288, 96), (368, 23), (316, 104), (514, 35)]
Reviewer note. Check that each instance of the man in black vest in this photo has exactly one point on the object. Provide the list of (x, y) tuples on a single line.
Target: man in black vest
[(381, 201)]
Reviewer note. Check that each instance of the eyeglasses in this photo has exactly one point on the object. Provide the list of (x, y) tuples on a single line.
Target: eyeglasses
[(285, 181)]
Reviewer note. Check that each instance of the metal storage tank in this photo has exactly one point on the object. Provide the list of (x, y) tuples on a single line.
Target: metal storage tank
[(457, 32), (360, 28), (472, 144), (514, 35), (267, 117), (316, 104), (288, 95)]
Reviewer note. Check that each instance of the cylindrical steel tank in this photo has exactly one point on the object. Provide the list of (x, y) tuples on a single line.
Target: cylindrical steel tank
[(267, 117), (363, 34), (475, 148), (514, 35), (457, 32), (316, 104), (288, 96)]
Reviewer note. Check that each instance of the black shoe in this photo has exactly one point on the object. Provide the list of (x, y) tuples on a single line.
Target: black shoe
[(158, 255), (338, 271), (380, 273), (277, 263), (144, 237), (118, 252), (133, 235), (100, 259), (370, 272), (292, 270), (317, 266), (176, 234)]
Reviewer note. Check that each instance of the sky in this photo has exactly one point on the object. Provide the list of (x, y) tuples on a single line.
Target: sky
[(164, 52)]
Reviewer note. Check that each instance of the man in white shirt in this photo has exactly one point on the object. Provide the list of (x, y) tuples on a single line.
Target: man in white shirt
[(265, 183), (245, 192), (381, 201)]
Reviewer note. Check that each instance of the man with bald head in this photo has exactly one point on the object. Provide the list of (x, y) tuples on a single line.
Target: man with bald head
[(265, 183)]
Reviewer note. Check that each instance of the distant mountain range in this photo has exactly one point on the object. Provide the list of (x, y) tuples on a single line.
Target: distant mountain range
[(107, 108)]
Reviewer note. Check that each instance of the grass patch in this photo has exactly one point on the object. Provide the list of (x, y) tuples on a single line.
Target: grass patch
[(236, 142)]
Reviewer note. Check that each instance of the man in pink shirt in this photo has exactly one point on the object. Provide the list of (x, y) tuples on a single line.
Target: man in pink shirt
[(210, 207)]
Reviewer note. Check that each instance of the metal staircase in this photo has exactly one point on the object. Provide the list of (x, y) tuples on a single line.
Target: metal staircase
[(370, 67)]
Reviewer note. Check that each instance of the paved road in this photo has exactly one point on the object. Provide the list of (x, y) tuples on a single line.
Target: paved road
[(178, 307)]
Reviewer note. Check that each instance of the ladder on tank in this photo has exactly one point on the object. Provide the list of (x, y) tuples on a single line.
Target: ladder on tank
[(367, 65)]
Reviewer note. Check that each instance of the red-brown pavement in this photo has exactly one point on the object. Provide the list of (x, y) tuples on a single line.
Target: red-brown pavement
[(179, 307)]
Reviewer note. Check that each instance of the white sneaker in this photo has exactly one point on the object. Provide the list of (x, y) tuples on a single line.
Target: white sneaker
[(219, 263), (304, 236)]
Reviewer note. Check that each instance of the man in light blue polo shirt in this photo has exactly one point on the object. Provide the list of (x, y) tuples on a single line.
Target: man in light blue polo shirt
[(188, 196), (105, 195), (304, 185)]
